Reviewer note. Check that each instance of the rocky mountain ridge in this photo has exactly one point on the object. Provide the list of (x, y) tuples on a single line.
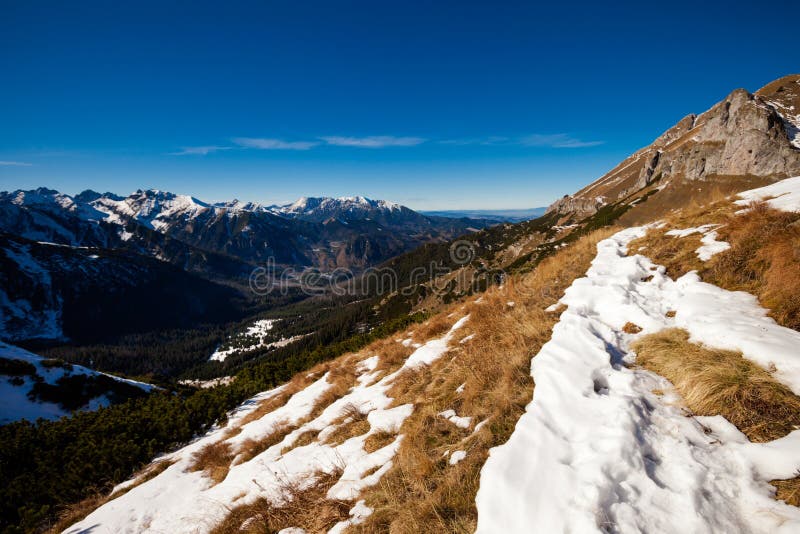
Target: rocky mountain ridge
[(325, 233), (745, 135)]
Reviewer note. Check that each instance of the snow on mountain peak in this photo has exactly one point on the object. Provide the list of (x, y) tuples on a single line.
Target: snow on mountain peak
[(330, 206), (152, 207)]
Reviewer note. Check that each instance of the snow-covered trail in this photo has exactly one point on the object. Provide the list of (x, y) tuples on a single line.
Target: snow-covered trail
[(597, 450)]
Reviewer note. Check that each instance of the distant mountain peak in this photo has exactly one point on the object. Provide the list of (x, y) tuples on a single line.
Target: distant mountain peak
[(321, 208)]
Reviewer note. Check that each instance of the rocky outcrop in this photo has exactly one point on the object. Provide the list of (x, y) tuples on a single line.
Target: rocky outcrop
[(575, 205), (747, 135)]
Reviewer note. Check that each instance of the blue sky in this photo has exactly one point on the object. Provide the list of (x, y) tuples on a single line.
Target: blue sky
[(438, 105)]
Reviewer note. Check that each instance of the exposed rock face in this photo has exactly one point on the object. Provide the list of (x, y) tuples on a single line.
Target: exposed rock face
[(756, 135), (576, 205)]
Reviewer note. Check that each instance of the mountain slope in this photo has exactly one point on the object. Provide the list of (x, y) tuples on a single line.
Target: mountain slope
[(596, 423), (396, 434), (50, 291)]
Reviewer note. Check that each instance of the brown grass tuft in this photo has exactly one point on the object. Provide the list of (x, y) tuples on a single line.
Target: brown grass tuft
[(713, 381), (407, 383), (250, 448), (434, 327), (764, 259), (306, 507), (788, 490), (214, 460), (378, 440), (352, 423), (76, 512), (391, 353), (631, 328), (370, 471), (309, 436)]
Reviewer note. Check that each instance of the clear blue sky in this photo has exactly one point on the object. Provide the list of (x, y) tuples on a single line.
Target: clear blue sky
[(434, 104)]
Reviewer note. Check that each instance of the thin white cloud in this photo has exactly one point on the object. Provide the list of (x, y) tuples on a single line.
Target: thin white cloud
[(560, 140), (15, 164), (487, 141), (198, 150), (273, 144), (373, 141)]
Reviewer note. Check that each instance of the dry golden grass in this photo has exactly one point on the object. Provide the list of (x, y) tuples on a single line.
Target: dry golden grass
[(214, 460), (309, 436), (422, 492), (76, 512), (378, 440), (631, 328), (391, 353), (305, 507), (370, 471), (721, 382), (407, 384), (250, 448), (788, 490), (764, 259), (434, 327), (352, 423)]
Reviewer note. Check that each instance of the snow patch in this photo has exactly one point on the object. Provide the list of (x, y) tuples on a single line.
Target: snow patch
[(457, 456), (257, 332), (683, 232), (460, 422), (711, 246), (783, 195)]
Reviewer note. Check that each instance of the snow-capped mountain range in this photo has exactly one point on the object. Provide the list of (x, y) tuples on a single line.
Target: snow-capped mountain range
[(67, 252), (320, 232)]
